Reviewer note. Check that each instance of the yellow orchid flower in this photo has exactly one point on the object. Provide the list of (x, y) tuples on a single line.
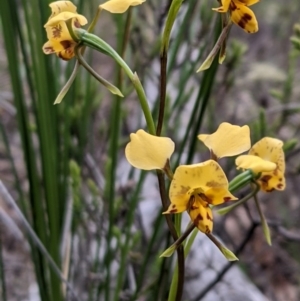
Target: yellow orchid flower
[(60, 40), (119, 6), (240, 14), (148, 152), (194, 188), (228, 140), (266, 157)]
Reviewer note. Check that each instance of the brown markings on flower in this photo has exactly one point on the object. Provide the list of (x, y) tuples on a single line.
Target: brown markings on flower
[(48, 49), (205, 198), (76, 23), (279, 186), (246, 18), (265, 179), (197, 220), (280, 179), (56, 31), (66, 44), (207, 231), (191, 204), (209, 217), (212, 184), (227, 199)]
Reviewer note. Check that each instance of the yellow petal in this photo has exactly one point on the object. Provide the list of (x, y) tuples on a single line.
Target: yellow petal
[(224, 8), (147, 152), (269, 181), (196, 179), (244, 17), (119, 6), (61, 6), (255, 163), (269, 149), (246, 2), (64, 16), (179, 207), (58, 32), (219, 195), (63, 49), (201, 216), (266, 156), (228, 140)]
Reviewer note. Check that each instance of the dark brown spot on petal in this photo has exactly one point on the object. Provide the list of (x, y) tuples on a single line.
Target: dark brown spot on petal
[(205, 198), (244, 20), (76, 23), (207, 231), (279, 186), (173, 211), (48, 49), (227, 198), (66, 44), (56, 31), (197, 220), (209, 217)]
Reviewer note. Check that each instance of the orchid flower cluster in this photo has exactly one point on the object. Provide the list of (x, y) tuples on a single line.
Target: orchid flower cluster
[(196, 188)]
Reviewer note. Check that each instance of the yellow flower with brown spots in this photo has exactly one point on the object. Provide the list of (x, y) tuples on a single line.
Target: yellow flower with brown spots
[(240, 14), (266, 157), (194, 188), (59, 38)]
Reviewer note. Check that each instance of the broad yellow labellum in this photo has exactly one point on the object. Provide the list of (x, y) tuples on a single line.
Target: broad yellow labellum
[(148, 152), (119, 6), (228, 140), (194, 188)]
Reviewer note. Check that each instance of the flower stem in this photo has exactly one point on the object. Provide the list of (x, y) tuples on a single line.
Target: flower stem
[(98, 44), (207, 63), (113, 89), (263, 221)]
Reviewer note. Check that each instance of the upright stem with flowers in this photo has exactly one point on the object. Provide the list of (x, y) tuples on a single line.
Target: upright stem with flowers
[(196, 190)]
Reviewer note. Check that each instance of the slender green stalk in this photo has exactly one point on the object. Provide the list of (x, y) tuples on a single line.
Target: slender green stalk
[(95, 42), (263, 220)]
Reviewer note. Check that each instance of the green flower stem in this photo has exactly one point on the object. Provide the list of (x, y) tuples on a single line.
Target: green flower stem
[(226, 252), (263, 221), (227, 209), (178, 278), (113, 89), (181, 239), (241, 180), (68, 84), (207, 63), (98, 44), (222, 53), (190, 242)]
